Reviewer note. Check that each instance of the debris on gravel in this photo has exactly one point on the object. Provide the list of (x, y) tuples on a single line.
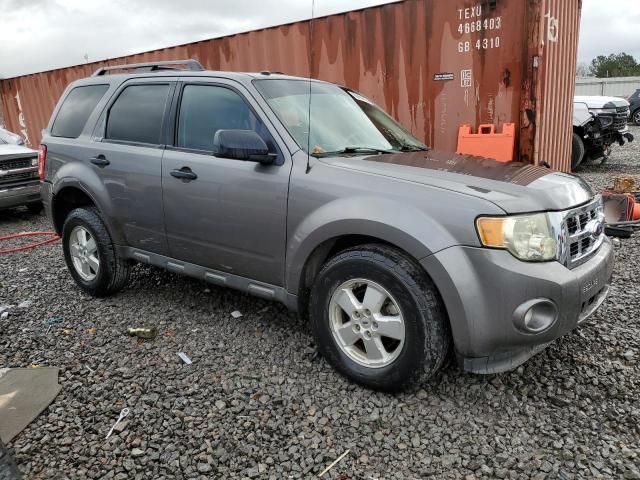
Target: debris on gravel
[(258, 403)]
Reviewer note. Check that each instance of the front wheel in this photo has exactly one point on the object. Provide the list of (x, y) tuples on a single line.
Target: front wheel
[(577, 151), (90, 254), (378, 319), (635, 117)]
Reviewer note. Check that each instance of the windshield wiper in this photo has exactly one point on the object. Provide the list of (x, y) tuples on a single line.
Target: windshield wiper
[(356, 150)]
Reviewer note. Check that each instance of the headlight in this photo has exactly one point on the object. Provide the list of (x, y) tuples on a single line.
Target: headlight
[(605, 121), (526, 237), (34, 162)]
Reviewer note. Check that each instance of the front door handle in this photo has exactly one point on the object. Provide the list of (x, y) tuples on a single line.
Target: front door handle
[(184, 173), (100, 160)]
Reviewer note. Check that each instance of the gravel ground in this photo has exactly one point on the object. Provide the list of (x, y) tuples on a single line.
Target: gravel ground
[(258, 403)]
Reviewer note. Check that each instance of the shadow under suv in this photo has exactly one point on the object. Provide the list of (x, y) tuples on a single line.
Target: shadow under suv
[(307, 193)]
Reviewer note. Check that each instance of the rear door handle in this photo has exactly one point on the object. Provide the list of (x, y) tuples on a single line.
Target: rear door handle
[(184, 173), (100, 160)]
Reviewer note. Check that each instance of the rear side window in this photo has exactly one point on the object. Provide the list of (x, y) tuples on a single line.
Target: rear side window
[(76, 109), (136, 116)]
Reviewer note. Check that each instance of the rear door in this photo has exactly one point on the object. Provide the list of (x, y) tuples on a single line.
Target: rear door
[(127, 155), (232, 217)]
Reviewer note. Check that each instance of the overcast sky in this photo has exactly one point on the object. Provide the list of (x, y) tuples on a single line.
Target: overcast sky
[(38, 35)]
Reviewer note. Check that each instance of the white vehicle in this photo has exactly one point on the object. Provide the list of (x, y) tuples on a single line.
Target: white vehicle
[(598, 123), (19, 178), (10, 137)]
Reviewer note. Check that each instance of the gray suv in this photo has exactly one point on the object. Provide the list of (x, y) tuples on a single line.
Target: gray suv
[(307, 193)]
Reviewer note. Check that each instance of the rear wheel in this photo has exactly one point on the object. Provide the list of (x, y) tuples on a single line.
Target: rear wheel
[(90, 254), (577, 151), (635, 117), (378, 319)]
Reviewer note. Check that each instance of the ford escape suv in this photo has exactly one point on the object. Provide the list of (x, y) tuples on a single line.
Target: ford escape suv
[(309, 194)]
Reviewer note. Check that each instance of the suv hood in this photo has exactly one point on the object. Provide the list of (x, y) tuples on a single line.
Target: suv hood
[(514, 187), (15, 150), (601, 102)]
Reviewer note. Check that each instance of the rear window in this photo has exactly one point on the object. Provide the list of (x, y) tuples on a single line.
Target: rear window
[(136, 116), (76, 109)]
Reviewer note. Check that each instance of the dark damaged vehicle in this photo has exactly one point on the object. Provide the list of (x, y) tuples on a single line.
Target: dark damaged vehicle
[(598, 124), (309, 194)]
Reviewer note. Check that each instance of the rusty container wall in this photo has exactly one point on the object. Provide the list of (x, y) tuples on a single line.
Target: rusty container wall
[(433, 64), (558, 52)]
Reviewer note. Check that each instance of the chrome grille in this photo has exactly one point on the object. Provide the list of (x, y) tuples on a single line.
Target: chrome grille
[(15, 163), (620, 122), (18, 179), (583, 233), (16, 172)]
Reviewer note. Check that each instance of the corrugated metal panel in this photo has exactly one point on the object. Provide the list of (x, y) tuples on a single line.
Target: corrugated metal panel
[(432, 64), (558, 47), (610, 87)]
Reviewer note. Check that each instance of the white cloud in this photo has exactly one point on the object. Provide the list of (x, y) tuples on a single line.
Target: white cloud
[(38, 35), (610, 26)]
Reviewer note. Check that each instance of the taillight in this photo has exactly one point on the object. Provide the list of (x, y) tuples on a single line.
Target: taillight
[(42, 160)]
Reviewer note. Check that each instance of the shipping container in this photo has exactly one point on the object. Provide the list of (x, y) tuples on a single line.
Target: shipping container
[(433, 64)]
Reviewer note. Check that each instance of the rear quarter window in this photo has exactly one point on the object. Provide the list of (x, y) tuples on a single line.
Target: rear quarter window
[(76, 109)]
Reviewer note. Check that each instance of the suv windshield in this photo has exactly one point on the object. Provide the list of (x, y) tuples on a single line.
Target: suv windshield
[(342, 121)]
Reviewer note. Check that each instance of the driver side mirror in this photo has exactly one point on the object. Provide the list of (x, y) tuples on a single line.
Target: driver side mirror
[(242, 145)]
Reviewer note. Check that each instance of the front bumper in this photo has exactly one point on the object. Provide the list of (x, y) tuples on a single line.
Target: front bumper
[(17, 196), (483, 288)]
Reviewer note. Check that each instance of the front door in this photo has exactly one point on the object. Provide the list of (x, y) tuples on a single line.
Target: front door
[(232, 216)]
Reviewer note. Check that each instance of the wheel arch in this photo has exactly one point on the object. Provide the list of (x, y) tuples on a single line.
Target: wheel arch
[(70, 193), (330, 247)]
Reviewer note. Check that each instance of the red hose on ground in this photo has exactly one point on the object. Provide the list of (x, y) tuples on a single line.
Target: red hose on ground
[(54, 238)]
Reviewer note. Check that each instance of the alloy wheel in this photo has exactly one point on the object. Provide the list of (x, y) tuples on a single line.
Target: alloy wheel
[(84, 253), (367, 323)]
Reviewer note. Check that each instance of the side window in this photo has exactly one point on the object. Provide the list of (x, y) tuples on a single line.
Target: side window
[(76, 109), (205, 109), (137, 114)]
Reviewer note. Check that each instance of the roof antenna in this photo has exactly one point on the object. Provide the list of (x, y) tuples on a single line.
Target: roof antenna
[(313, 9)]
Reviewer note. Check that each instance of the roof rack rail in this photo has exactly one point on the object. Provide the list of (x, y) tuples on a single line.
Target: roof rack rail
[(191, 64)]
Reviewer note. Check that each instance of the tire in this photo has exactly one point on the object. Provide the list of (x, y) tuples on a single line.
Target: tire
[(8, 468), (112, 272), (577, 151), (635, 117), (427, 339), (35, 208)]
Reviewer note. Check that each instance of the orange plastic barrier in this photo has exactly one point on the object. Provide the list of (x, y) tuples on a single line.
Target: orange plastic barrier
[(487, 143)]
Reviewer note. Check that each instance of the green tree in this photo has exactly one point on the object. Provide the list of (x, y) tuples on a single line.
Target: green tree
[(615, 65)]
